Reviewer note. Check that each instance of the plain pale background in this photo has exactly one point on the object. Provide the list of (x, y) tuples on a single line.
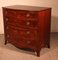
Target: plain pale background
[(42, 3)]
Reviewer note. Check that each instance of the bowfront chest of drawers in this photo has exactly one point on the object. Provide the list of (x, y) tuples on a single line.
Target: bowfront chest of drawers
[(27, 26)]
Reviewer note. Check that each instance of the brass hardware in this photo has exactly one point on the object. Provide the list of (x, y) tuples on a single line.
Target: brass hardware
[(6, 19), (28, 23), (28, 32), (27, 15), (28, 42)]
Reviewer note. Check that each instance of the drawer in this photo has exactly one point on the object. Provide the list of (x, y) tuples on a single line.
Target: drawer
[(22, 23), (20, 14), (11, 38), (28, 15), (20, 42), (26, 34), (9, 12)]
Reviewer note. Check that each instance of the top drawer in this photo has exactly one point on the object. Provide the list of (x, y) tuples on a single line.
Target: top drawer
[(20, 14)]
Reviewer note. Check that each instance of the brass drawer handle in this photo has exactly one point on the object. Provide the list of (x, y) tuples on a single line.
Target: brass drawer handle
[(28, 42), (28, 32), (27, 15), (28, 23), (7, 19)]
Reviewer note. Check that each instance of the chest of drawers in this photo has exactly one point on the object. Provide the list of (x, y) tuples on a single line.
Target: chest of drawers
[(27, 26)]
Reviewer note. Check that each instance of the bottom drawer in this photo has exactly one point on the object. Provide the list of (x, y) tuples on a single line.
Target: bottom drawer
[(21, 43), (23, 46)]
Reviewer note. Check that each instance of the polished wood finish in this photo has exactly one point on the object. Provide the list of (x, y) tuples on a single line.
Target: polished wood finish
[(27, 26)]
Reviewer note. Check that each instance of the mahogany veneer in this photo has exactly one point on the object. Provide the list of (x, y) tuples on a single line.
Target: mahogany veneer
[(27, 26)]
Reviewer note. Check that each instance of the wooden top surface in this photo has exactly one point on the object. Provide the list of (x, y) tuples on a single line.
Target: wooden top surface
[(24, 7)]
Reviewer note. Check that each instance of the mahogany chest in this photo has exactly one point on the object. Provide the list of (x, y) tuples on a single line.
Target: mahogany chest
[(27, 26)]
